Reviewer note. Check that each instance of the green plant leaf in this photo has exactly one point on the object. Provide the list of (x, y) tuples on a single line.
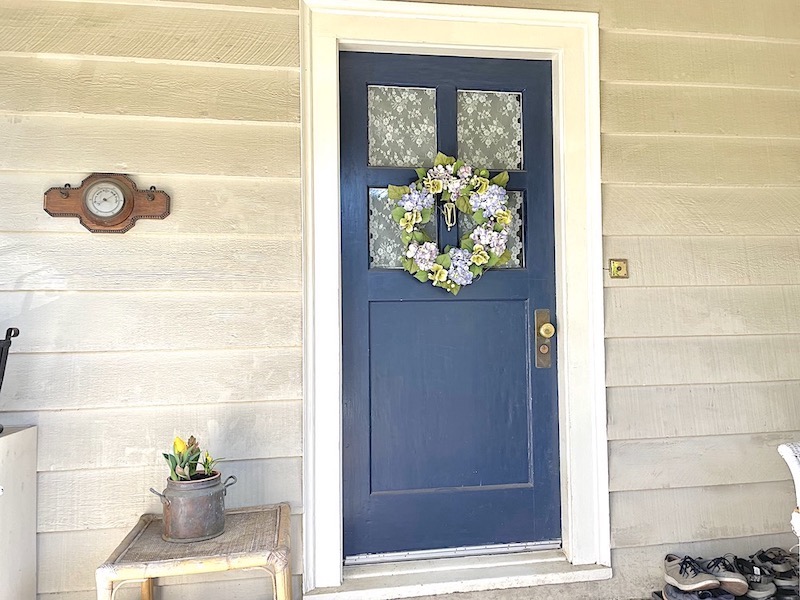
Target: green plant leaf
[(454, 290), (483, 173), (478, 217), (397, 213), (422, 172), (426, 214), (443, 159), (457, 165), (405, 237), (476, 270), (467, 243), (504, 257), (446, 195), (493, 258), (463, 205), (396, 192), (421, 276), (419, 237), (498, 227), (500, 179), (444, 260)]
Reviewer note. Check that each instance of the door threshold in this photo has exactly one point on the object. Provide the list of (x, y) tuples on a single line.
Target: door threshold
[(414, 578), (484, 550)]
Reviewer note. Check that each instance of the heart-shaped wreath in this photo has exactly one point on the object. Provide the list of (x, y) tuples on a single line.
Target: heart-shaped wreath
[(448, 186)]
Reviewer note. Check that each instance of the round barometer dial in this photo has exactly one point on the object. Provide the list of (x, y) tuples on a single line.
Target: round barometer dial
[(104, 199)]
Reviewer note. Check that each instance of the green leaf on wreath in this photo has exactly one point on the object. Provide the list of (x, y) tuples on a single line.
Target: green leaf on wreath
[(455, 289), (397, 213), (493, 258), (457, 165), (422, 172), (446, 195), (421, 276), (500, 179), (498, 227), (444, 260), (396, 192), (463, 205), (419, 237), (467, 243), (405, 237), (478, 217), (443, 159), (504, 258), (426, 214), (476, 270)]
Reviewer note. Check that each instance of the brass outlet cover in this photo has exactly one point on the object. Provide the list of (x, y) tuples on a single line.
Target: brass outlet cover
[(618, 268)]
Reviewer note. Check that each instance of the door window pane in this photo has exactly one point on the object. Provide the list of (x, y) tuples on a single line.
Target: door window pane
[(489, 126), (401, 126), (385, 247), (515, 243)]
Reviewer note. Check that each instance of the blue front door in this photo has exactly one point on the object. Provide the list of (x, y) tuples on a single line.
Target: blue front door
[(450, 430)]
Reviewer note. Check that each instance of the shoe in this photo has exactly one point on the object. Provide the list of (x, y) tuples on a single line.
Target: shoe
[(686, 575), (729, 578), (758, 579), (776, 560), (672, 593), (787, 579)]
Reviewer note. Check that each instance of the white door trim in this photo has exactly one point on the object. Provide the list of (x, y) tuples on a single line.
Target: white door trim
[(571, 41)]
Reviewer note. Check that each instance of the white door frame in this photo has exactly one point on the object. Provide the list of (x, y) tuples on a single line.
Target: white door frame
[(570, 40)]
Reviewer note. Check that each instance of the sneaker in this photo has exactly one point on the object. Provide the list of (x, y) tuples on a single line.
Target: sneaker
[(686, 575), (758, 579), (729, 578), (672, 593), (787, 579), (776, 560)]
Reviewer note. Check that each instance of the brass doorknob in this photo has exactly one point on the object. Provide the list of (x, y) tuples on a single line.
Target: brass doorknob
[(547, 331)]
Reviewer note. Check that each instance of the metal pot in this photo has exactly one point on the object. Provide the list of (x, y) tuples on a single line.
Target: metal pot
[(194, 510)]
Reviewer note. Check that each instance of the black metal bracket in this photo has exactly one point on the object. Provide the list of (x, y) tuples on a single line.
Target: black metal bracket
[(5, 345)]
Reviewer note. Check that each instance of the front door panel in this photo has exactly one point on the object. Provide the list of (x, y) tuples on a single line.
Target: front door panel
[(450, 432)]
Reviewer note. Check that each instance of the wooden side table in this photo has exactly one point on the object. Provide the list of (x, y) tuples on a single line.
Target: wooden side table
[(254, 538)]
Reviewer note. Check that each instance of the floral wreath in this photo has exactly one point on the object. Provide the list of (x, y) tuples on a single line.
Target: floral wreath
[(452, 185)]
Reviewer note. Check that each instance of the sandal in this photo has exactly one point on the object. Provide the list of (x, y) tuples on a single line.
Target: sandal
[(776, 560)]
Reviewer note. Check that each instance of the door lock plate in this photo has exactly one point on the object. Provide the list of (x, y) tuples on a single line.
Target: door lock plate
[(544, 336)]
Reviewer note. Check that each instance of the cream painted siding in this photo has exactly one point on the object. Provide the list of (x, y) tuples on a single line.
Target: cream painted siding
[(187, 325), (192, 324)]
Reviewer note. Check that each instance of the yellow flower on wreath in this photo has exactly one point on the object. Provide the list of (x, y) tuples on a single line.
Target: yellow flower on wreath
[(437, 274), (479, 255), (481, 184), (434, 186), (503, 217), (409, 220)]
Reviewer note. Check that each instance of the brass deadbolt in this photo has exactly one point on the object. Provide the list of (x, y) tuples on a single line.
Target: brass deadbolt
[(547, 331)]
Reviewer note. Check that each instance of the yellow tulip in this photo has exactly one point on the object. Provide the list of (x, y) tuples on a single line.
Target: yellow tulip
[(479, 255), (178, 445), (503, 217)]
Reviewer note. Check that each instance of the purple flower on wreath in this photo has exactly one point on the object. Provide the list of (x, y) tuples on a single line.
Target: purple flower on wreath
[(416, 199), (424, 255), (492, 200), (460, 261)]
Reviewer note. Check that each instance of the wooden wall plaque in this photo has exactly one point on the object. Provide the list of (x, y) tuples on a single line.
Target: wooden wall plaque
[(107, 203)]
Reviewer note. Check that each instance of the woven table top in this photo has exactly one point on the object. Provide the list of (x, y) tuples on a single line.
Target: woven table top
[(259, 530)]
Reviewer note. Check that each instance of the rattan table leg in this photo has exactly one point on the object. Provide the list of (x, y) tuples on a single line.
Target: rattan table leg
[(283, 584), (147, 590)]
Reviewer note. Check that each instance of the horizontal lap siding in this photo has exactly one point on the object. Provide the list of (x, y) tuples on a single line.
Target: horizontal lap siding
[(190, 325), (701, 190)]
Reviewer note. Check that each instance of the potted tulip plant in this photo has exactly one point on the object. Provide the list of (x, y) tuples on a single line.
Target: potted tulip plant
[(193, 502)]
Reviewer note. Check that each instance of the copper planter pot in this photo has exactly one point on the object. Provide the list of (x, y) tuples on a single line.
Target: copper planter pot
[(194, 510)]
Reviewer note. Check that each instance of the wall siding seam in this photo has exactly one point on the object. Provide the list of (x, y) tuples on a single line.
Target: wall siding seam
[(146, 61), (701, 35), (221, 7)]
